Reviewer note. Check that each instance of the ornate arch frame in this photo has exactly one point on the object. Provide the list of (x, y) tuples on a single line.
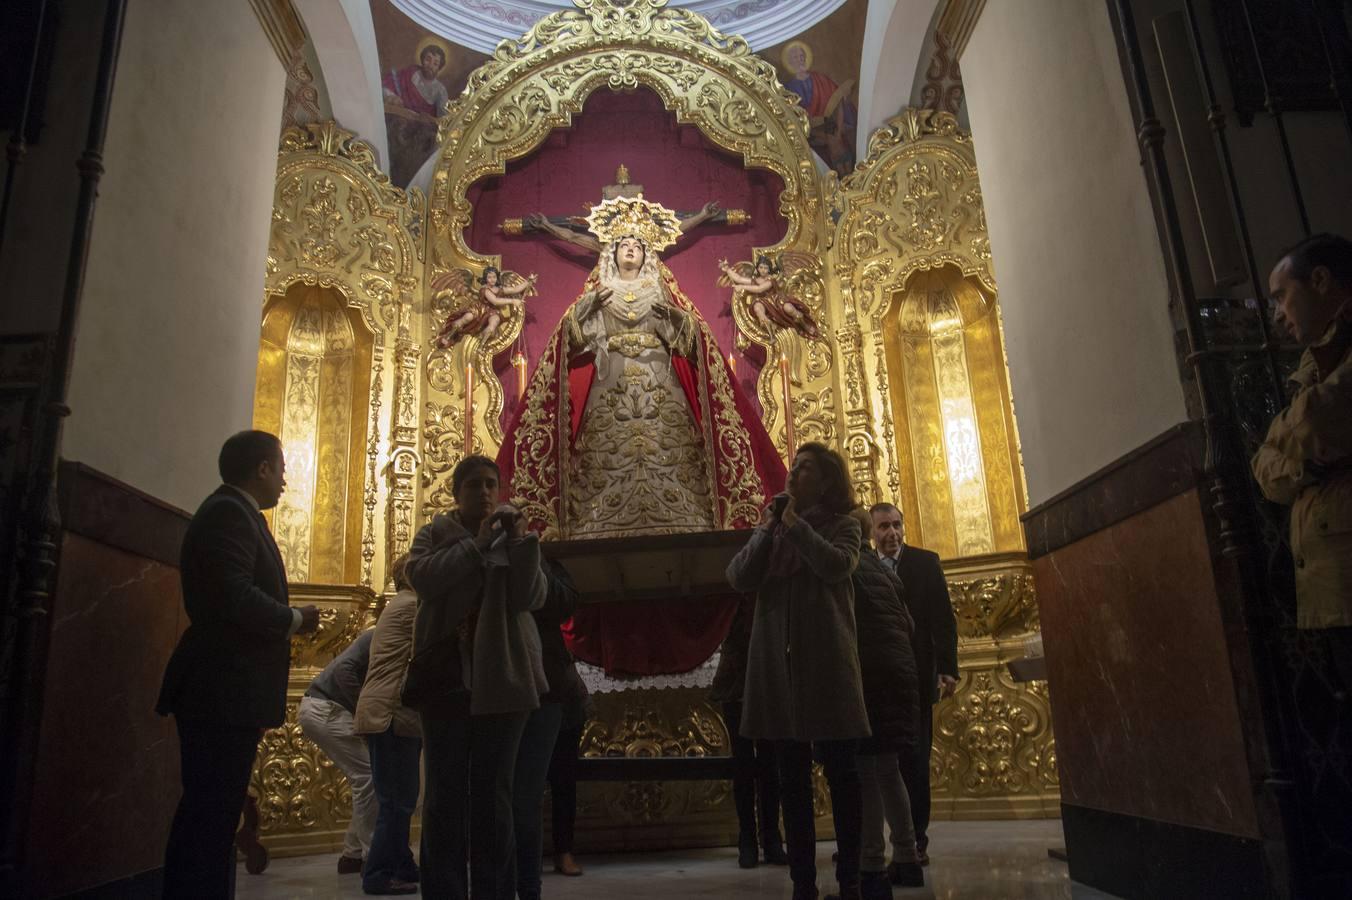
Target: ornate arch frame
[(914, 203), (538, 83), (337, 222)]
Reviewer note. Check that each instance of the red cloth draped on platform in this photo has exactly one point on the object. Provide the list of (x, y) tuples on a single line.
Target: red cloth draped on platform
[(642, 638)]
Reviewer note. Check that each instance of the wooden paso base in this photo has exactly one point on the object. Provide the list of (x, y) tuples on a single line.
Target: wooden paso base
[(656, 762), (649, 567), (671, 567)]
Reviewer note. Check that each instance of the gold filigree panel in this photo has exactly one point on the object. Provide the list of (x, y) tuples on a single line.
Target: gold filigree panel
[(309, 392), (915, 204), (993, 739), (994, 751), (339, 225)]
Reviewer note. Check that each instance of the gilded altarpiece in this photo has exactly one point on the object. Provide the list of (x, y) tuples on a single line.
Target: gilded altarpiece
[(908, 380), (930, 426), (338, 382), (535, 85)]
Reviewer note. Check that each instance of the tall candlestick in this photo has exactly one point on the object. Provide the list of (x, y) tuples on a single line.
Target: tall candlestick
[(519, 363), (469, 408), (788, 405)]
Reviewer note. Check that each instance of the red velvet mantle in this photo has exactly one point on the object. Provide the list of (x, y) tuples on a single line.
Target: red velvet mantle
[(683, 170)]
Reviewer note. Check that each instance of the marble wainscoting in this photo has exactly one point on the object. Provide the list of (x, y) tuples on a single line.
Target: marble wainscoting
[(1153, 745), (105, 777)]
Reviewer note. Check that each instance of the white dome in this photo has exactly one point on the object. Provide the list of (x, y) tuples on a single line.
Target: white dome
[(481, 24)]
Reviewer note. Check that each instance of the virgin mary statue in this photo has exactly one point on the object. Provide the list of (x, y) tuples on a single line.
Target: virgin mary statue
[(632, 423)]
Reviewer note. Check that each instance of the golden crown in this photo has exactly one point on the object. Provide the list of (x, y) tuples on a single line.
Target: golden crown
[(652, 223)]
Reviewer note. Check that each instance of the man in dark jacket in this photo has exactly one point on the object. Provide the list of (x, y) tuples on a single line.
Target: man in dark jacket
[(226, 680), (936, 649), (887, 668)]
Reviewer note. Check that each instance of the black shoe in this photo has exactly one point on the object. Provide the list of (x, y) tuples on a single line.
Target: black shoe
[(393, 886), (804, 892), (746, 853), (906, 874), (874, 886), (772, 850), (349, 865)]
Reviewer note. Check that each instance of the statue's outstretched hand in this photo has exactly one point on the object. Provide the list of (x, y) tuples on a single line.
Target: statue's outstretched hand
[(712, 208)]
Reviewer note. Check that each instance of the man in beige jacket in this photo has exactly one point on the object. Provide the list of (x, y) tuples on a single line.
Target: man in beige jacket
[(1306, 459)]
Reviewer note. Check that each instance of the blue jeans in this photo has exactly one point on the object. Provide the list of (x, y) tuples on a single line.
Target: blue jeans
[(394, 772), (532, 767)]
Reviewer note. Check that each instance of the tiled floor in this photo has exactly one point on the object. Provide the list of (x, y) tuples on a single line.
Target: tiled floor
[(972, 861)]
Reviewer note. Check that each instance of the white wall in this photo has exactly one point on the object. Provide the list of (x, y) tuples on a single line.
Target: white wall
[(344, 39), (168, 330), (1077, 258), (894, 36)]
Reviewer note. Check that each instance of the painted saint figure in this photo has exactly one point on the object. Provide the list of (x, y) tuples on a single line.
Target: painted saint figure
[(482, 315), (831, 114), (771, 303), (632, 424), (416, 87)]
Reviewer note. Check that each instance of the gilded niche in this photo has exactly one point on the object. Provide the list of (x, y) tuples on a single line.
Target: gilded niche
[(538, 82)]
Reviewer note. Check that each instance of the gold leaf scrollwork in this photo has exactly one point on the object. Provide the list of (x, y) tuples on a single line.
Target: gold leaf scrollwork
[(443, 447), (990, 737), (995, 607), (814, 416), (297, 785)]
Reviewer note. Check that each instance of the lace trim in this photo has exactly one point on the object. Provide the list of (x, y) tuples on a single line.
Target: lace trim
[(598, 682)]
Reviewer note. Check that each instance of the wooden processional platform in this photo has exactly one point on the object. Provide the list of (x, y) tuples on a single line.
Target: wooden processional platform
[(673, 568)]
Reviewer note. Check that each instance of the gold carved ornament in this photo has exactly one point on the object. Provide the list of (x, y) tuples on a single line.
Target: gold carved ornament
[(338, 223), (537, 83), (913, 204)]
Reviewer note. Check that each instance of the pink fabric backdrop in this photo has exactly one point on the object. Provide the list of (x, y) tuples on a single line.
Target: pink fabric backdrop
[(677, 166)]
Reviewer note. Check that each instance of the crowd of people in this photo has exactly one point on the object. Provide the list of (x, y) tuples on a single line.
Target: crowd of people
[(844, 641), (466, 681)]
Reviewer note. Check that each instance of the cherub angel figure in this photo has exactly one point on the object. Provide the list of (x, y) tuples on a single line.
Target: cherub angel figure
[(478, 312), (763, 287)]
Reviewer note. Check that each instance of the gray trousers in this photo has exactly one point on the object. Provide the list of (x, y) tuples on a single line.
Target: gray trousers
[(884, 798), (330, 727)]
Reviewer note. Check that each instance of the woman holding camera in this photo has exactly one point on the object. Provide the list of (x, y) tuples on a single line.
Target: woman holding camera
[(475, 676), (803, 687)]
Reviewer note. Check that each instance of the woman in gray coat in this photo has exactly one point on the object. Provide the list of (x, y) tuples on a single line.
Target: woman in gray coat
[(475, 676), (803, 687)]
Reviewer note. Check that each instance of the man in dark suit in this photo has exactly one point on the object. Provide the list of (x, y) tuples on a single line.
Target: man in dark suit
[(226, 681), (936, 649)]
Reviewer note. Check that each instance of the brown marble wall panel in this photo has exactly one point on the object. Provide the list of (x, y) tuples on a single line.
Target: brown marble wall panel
[(106, 774), (1163, 467), (1144, 702)]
